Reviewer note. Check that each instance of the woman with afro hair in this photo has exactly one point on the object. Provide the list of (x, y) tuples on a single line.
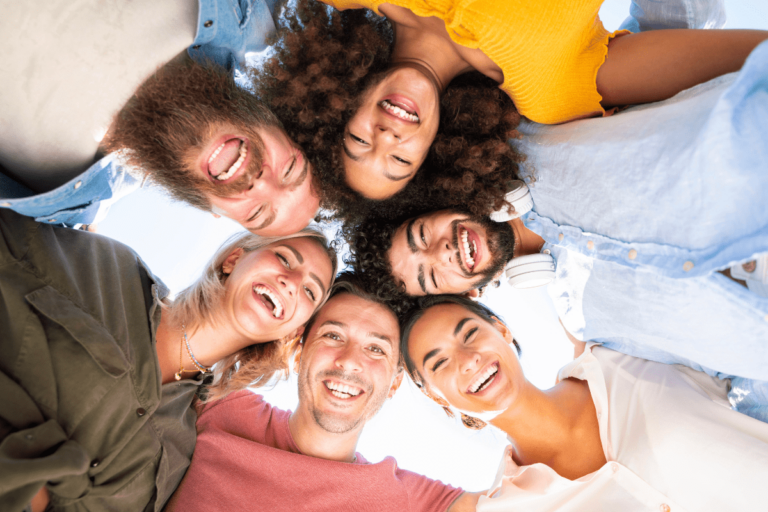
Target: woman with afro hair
[(373, 99)]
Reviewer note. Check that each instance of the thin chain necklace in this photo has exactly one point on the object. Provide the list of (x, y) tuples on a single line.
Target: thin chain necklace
[(198, 367)]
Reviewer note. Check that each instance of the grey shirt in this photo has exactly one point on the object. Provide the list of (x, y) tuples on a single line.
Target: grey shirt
[(82, 408)]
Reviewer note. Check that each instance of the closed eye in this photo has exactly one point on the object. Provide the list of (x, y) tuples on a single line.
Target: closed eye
[(469, 334), (290, 169), (438, 364), (421, 234), (358, 139), (284, 261), (401, 160)]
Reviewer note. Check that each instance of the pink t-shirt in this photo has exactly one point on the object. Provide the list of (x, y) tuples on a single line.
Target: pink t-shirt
[(246, 459)]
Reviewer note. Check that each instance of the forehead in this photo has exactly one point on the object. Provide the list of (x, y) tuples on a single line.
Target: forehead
[(359, 316)]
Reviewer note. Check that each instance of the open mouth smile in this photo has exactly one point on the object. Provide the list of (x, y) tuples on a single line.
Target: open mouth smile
[(227, 158), (400, 111), (484, 379), (341, 390), (269, 299), (468, 247)]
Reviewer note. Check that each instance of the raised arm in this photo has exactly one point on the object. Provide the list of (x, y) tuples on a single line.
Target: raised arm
[(653, 66)]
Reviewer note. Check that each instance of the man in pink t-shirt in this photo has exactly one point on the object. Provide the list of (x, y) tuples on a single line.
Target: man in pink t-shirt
[(252, 456)]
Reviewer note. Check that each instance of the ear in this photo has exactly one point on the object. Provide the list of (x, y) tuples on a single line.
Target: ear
[(229, 264), (297, 357), (503, 330), (396, 382), (472, 294)]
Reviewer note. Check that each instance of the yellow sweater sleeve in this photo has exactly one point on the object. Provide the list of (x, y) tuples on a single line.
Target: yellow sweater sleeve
[(549, 50)]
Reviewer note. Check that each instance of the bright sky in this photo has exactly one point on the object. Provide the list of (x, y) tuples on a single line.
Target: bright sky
[(176, 241)]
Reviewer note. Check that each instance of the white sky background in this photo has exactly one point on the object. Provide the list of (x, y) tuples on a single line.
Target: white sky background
[(176, 241)]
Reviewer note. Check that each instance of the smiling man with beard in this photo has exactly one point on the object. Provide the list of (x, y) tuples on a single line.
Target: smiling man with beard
[(68, 69), (217, 147), (250, 455)]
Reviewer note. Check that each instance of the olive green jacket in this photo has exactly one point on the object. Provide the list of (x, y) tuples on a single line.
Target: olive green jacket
[(82, 409)]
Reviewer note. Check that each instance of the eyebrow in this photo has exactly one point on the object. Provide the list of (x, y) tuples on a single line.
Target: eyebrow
[(382, 337), (269, 220), (409, 236), (392, 177), (304, 171), (430, 354), (461, 323), (349, 153), (295, 252), (319, 282), (422, 281), (334, 322)]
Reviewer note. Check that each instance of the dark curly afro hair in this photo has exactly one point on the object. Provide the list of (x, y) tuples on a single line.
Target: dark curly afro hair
[(325, 60)]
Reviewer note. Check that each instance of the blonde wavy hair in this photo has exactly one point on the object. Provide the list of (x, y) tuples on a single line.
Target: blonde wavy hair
[(256, 364)]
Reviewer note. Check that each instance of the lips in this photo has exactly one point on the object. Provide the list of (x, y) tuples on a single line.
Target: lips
[(470, 248), (341, 390), (401, 108), (228, 155), (270, 299), (484, 379)]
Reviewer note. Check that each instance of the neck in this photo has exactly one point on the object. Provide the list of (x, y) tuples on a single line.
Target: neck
[(313, 440), (545, 426), (430, 52), (526, 241), (208, 343)]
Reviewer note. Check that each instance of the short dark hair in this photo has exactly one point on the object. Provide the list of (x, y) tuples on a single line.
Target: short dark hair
[(421, 306), (348, 282)]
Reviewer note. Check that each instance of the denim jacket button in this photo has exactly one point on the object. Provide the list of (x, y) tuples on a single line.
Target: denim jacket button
[(78, 185), (664, 507), (687, 266), (590, 245), (208, 23), (5, 205), (560, 237), (51, 220), (632, 254)]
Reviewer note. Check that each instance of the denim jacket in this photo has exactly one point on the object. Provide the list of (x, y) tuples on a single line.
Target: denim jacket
[(227, 32)]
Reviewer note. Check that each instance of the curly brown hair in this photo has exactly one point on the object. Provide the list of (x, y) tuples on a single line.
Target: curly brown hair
[(325, 60)]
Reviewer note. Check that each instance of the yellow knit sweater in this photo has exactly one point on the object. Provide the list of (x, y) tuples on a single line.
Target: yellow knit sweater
[(549, 50)]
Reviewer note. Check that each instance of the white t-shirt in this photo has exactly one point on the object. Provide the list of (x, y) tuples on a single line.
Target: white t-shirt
[(67, 67), (670, 438)]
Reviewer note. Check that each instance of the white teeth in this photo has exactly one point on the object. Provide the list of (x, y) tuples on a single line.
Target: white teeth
[(469, 260), (402, 114), (235, 166), (278, 308), (483, 379), (342, 390)]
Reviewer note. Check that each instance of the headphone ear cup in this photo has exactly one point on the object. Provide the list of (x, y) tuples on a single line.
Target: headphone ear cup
[(521, 200), (530, 271)]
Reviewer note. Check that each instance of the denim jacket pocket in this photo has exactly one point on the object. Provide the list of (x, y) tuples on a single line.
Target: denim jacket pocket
[(88, 332)]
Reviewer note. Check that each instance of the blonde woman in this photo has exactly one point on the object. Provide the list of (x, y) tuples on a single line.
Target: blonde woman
[(98, 369), (615, 433)]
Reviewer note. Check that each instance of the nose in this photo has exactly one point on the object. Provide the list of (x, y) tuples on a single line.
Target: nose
[(348, 359), (388, 135), (442, 253), (469, 361), (289, 282)]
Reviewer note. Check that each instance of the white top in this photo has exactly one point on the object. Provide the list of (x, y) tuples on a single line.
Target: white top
[(68, 66), (671, 441)]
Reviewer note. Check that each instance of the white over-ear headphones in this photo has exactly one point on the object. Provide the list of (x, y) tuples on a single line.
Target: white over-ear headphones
[(529, 271)]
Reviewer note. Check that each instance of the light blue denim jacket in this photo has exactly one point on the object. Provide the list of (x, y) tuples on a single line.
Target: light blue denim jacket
[(642, 209), (227, 32)]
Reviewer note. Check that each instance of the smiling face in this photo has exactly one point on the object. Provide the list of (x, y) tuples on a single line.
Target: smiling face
[(349, 363), (271, 292), (448, 252), (271, 196), (388, 138), (465, 359)]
